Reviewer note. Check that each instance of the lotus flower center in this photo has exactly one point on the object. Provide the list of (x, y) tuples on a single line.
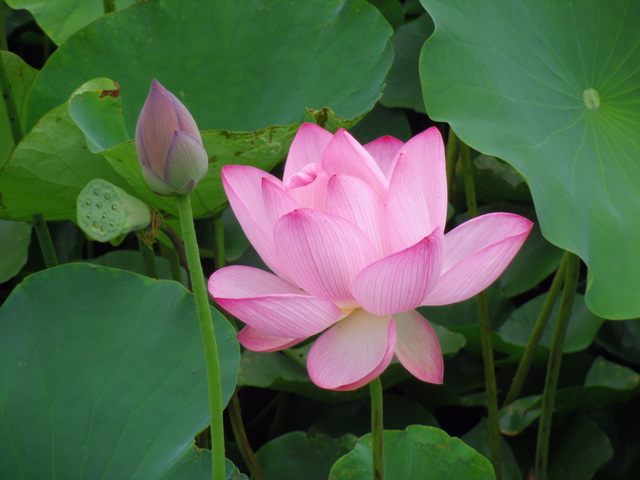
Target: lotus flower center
[(303, 178)]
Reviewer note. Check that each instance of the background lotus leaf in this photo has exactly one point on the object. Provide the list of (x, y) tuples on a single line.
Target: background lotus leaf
[(229, 61), (552, 88)]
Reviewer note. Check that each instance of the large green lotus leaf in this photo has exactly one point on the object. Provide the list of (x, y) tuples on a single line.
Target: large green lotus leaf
[(195, 464), (14, 245), (61, 18), (307, 456), (239, 65), (50, 166), (552, 88), (20, 76), (413, 453), (102, 374)]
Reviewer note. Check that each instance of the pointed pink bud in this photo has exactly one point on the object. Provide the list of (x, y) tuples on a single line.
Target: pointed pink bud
[(169, 145)]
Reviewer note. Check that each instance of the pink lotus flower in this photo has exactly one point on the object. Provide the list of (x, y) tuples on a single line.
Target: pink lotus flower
[(169, 145), (356, 238)]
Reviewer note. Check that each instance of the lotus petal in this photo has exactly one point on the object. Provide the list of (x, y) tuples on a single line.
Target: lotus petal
[(476, 254), (353, 352), (418, 348)]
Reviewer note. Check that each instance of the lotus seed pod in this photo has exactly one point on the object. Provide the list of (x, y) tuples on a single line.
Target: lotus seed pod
[(105, 212)]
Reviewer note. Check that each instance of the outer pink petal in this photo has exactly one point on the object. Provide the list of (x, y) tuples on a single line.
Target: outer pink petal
[(476, 254), (345, 155), (257, 341), (401, 281), (244, 188), (417, 201), (384, 150), (353, 199), (407, 211), (270, 304), (277, 203), (307, 147), (322, 253), (353, 352), (418, 348)]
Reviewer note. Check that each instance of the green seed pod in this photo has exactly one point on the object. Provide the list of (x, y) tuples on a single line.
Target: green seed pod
[(106, 212)]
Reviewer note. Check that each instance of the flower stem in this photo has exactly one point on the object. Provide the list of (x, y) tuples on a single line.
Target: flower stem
[(451, 156), (572, 270), (237, 425), (174, 262), (485, 327), (44, 239), (536, 333), (377, 429), (148, 259), (235, 411), (208, 335)]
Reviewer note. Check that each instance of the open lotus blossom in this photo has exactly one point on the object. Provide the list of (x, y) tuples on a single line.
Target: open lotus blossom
[(355, 236)]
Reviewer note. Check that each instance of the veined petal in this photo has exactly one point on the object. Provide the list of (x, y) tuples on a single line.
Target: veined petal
[(345, 155), (254, 340), (155, 127), (401, 281), (384, 150), (277, 203), (418, 348), (185, 120), (187, 162), (307, 147), (270, 304), (476, 254), (353, 352), (407, 212), (322, 253), (309, 187), (351, 198), (417, 201), (244, 188)]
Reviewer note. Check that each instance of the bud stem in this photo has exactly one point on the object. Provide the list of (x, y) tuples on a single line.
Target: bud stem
[(208, 335)]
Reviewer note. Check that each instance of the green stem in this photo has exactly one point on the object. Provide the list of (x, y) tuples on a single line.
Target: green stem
[(109, 6), (218, 238), (148, 259), (174, 261), (208, 335), (178, 246), (536, 333), (377, 429), (451, 156), (237, 425), (4, 45), (46, 244), (553, 369), (485, 328)]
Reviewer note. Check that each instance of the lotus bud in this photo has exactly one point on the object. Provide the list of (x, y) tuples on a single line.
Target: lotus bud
[(169, 145), (106, 212)]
